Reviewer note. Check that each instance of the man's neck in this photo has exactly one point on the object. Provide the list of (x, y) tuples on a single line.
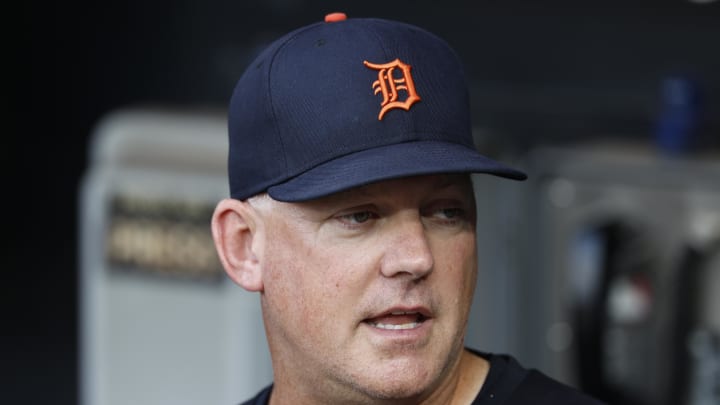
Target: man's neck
[(473, 372)]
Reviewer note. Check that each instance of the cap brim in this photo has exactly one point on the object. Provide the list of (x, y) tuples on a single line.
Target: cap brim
[(385, 163)]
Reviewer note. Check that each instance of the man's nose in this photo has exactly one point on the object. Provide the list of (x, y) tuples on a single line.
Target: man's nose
[(407, 249)]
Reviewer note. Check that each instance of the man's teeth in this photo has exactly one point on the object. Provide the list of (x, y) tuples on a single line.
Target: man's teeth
[(396, 327), (390, 326)]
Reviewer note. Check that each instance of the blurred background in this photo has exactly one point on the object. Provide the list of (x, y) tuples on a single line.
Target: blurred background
[(602, 270)]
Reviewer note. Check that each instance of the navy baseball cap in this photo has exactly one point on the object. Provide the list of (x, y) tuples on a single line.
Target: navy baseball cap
[(347, 102)]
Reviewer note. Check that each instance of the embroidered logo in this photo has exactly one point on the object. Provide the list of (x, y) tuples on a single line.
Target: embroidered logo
[(393, 77)]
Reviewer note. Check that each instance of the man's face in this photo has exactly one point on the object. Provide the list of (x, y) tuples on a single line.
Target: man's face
[(367, 292)]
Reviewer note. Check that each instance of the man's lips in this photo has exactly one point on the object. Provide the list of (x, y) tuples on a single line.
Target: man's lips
[(399, 319)]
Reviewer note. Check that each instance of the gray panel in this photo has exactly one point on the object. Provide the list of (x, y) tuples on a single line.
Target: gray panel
[(160, 323)]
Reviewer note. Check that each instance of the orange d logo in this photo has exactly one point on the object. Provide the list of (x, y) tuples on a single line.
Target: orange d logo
[(390, 86)]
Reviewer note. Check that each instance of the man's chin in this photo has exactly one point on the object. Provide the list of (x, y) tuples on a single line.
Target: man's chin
[(397, 383), (396, 390)]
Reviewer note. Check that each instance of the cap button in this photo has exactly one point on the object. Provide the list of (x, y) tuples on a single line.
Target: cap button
[(335, 17)]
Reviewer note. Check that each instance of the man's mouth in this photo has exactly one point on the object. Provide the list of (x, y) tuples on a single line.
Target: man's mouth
[(397, 320)]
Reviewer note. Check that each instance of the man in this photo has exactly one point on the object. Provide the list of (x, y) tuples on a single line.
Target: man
[(352, 214)]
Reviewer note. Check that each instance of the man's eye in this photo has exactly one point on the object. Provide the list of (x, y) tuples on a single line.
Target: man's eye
[(450, 213), (357, 218)]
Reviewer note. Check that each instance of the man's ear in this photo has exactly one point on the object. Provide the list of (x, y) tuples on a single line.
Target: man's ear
[(235, 225)]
